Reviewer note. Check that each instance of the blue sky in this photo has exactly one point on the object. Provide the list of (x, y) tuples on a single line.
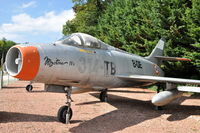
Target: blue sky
[(37, 21)]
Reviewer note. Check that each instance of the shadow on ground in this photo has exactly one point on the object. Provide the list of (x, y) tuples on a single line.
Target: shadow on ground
[(6, 117), (14, 87), (131, 112), (38, 91), (10, 87)]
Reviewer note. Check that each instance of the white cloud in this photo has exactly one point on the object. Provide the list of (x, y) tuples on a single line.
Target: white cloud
[(23, 24), (29, 4)]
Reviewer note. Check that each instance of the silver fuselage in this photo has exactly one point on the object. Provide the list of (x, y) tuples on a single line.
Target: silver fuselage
[(79, 60), (90, 68)]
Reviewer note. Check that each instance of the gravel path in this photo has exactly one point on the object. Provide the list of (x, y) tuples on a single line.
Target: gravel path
[(128, 111)]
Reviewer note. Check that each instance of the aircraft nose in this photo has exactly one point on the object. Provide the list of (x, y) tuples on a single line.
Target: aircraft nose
[(23, 62)]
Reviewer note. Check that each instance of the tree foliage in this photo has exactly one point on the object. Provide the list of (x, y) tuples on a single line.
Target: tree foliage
[(136, 26), (87, 16), (4, 46)]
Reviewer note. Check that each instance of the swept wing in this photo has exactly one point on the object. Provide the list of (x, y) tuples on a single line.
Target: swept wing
[(145, 78)]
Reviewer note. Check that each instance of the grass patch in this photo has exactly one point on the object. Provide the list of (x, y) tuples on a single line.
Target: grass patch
[(153, 88)]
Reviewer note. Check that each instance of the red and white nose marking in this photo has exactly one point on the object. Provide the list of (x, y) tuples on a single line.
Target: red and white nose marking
[(23, 62)]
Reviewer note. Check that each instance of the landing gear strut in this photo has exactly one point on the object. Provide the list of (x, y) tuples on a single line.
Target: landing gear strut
[(65, 112), (103, 95)]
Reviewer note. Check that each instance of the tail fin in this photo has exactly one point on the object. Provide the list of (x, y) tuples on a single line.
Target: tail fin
[(157, 57), (157, 51)]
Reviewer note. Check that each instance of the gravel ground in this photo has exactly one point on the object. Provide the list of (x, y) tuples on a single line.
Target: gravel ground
[(128, 111)]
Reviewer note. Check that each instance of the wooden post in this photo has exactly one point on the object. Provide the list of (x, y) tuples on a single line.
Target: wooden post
[(1, 79), (1, 71)]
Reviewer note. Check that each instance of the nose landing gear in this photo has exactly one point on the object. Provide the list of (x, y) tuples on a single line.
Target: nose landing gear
[(65, 112)]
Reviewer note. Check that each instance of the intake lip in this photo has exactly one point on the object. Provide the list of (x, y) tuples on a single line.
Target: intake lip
[(23, 62)]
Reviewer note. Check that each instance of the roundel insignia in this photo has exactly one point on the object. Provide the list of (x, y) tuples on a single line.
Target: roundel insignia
[(157, 71)]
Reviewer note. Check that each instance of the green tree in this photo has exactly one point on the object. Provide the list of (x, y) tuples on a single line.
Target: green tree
[(4, 46), (88, 13), (136, 26)]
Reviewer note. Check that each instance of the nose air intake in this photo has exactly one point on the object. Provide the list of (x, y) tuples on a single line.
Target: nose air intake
[(13, 61), (23, 62)]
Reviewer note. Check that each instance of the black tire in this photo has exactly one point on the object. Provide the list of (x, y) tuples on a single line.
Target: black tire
[(62, 114), (29, 88), (103, 96)]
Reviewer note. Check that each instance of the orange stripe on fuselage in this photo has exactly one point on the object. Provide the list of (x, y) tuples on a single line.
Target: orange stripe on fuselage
[(30, 62)]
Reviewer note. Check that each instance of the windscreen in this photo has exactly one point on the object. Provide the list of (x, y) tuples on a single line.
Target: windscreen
[(71, 40)]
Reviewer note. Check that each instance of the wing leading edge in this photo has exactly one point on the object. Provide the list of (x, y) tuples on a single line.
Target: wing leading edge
[(145, 78)]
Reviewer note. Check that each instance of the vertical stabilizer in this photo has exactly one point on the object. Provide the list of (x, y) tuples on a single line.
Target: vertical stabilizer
[(157, 51)]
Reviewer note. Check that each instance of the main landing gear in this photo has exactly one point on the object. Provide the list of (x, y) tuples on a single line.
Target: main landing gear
[(65, 112), (103, 95)]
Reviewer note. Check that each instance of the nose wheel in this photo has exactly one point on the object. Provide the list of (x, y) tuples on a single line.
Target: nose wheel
[(65, 113), (103, 95)]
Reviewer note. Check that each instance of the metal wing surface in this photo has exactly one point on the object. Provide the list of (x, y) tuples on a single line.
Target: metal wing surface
[(145, 78)]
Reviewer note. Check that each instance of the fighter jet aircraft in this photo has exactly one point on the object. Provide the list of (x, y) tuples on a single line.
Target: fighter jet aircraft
[(80, 63)]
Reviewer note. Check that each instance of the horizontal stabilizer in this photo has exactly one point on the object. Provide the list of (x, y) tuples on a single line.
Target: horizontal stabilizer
[(189, 89), (164, 58)]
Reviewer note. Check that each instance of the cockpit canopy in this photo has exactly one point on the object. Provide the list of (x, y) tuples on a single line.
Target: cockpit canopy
[(83, 40)]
